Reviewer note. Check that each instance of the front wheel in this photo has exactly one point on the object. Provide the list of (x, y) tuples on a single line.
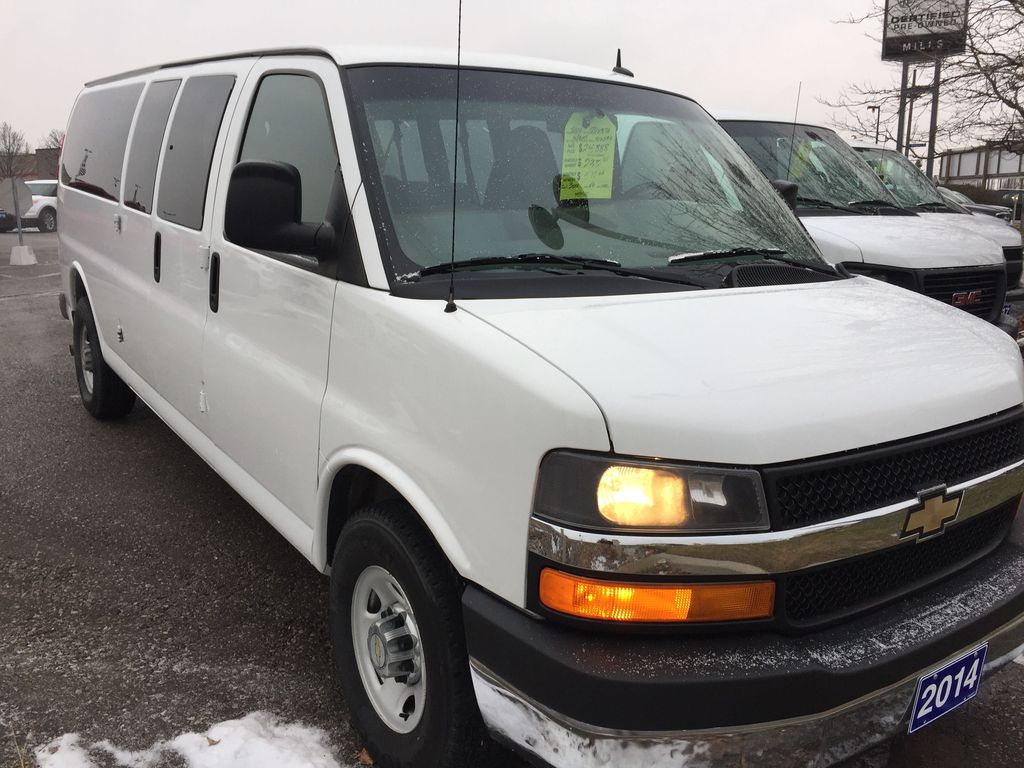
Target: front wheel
[(104, 394), (399, 644)]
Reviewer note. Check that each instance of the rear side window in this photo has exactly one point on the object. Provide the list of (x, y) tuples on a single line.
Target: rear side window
[(93, 153), (140, 178), (43, 188), (186, 170), (289, 124)]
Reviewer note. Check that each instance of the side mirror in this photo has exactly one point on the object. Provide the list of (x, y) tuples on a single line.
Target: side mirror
[(788, 191), (264, 211)]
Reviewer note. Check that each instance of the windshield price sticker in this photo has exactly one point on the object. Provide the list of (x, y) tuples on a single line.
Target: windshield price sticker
[(588, 158), (946, 689)]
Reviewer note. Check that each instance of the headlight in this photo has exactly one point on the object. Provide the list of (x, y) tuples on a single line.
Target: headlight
[(613, 493)]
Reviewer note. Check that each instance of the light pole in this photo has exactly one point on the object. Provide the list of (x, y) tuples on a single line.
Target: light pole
[(878, 119)]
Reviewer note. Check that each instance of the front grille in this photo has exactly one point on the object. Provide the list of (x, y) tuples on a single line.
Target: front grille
[(845, 484), (985, 288), (840, 590), (1014, 265)]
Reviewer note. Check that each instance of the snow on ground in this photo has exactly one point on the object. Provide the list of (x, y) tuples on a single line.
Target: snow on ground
[(258, 740)]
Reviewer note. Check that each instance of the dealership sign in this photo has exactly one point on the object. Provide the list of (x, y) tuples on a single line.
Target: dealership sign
[(924, 29)]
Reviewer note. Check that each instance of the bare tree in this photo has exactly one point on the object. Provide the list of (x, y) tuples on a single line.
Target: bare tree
[(53, 139), (982, 89), (12, 148)]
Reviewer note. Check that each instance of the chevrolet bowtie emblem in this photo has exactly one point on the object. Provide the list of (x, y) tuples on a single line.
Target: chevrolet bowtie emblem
[(932, 514)]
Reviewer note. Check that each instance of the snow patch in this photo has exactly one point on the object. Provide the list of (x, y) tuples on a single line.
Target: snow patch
[(258, 740)]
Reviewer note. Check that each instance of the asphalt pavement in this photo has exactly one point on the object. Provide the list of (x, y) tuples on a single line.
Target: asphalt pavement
[(141, 597)]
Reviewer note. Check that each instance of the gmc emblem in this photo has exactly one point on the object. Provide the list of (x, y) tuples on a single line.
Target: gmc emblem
[(966, 298)]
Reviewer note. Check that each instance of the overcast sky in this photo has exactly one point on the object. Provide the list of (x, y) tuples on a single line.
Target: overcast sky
[(736, 56)]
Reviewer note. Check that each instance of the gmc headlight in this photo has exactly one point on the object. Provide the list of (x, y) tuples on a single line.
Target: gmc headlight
[(591, 491)]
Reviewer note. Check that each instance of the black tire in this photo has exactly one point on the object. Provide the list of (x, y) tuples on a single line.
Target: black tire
[(450, 733), (47, 220), (106, 397)]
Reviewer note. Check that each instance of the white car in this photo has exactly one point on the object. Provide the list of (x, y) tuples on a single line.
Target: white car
[(601, 457), (917, 193), (857, 222), (43, 213)]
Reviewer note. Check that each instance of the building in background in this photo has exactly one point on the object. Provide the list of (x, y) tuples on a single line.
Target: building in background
[(985, 167)]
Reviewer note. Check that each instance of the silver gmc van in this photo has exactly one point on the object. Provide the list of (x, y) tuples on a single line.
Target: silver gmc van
[(601, 457)]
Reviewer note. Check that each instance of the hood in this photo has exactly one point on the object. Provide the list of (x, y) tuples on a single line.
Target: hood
[(912, 242), (999, 232), (762, 375)]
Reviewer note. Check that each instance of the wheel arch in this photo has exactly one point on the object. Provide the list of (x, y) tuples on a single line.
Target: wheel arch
[(78, 285), (356, 477)]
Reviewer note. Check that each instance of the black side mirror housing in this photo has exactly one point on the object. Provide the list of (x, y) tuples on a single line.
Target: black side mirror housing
[(264, 211), (788, 191)]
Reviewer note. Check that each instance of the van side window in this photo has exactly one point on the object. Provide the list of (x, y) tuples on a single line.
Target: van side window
[(288, 123), (185, 176), (93, 153), (140, 178)]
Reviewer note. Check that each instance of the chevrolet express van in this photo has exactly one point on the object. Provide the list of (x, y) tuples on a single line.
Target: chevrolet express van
[(856, 221), (916, 192), (610, 464)]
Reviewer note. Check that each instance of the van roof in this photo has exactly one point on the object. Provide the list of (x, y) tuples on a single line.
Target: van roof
[(359, 55)]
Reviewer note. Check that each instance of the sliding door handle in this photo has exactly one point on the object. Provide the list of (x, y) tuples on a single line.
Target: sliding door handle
[(214, 282), (156, 257)]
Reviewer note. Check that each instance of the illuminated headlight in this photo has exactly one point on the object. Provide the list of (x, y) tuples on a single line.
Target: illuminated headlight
[(597, 492)]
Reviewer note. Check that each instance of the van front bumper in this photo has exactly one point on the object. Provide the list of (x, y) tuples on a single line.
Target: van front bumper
[(571, 698)]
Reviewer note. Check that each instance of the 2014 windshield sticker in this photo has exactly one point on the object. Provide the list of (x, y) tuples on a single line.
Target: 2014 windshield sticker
[(588, 158)]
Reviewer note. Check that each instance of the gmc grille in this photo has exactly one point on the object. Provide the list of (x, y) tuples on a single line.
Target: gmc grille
[(979, 291)]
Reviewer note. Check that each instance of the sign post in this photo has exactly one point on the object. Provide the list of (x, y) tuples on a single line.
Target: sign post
[(922, 31)]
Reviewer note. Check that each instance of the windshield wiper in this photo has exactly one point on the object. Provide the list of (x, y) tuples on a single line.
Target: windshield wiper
[(825, 268), (930, 207), (874, 203), (770, 254), (816, 202), (548, 259), (740, 251)]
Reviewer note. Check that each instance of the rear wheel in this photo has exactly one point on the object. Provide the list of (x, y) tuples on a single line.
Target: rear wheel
[(103, 393), (399, 644), (48, 220)]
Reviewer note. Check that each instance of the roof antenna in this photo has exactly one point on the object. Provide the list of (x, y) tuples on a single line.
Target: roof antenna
[(792, 137), (618, 68), (450, 304)]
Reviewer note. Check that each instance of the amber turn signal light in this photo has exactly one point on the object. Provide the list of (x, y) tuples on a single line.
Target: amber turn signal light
[(656, 603)]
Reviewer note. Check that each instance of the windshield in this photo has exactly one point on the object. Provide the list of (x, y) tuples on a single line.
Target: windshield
[(901, 177), (553, 165), (824, 166)]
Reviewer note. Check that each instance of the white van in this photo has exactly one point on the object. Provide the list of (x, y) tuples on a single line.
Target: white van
[(856, 221), (916, 192), (628, 476)]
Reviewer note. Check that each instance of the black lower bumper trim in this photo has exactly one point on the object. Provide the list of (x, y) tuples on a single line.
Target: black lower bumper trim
[(676, 683)]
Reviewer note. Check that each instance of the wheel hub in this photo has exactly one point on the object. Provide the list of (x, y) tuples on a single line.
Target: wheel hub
[(388, 652), (394, 649)]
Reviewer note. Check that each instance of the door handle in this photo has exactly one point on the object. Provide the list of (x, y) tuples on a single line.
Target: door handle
[(214, 282), (156, 257)]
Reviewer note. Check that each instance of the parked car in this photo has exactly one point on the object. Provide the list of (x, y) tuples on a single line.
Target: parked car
[(1014, 198), (915, 191), (607, 461), (856, 221), (43, 213), (959, 198), (8, 221)]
